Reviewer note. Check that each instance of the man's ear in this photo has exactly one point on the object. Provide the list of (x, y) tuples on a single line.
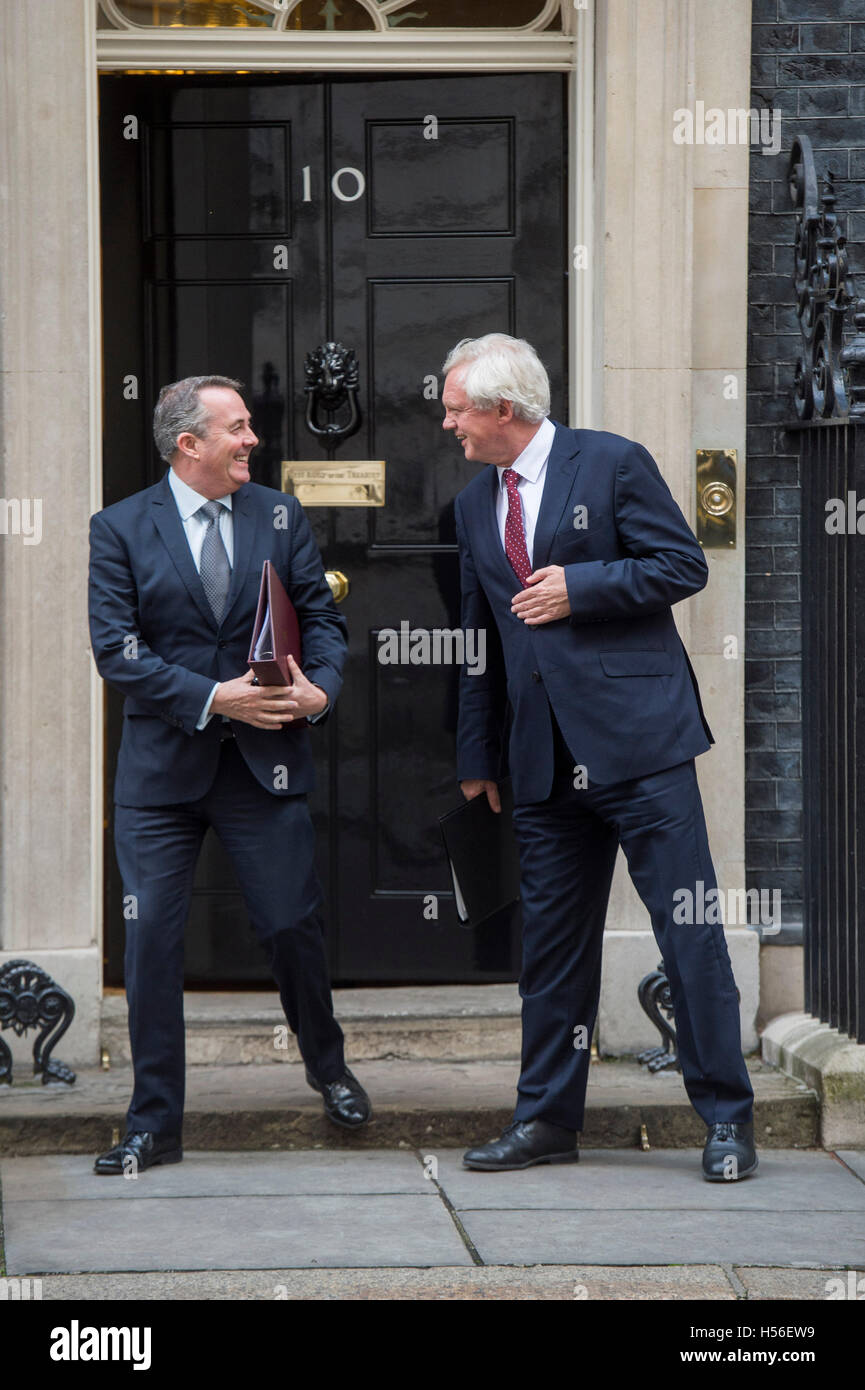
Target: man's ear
[(188, 444), (505, 412)]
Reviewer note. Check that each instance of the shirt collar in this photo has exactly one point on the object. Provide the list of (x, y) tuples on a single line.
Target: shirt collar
[(534, 455), (187, 499)]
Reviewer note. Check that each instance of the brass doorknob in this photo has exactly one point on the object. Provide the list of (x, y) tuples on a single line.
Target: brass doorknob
[(339, 585)]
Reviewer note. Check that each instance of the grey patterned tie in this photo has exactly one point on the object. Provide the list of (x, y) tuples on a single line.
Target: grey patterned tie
[(215, 570)]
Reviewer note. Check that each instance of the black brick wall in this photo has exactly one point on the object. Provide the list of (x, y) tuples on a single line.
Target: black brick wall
[(808, 61)]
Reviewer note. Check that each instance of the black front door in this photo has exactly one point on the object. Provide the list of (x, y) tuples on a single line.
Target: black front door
[(246, 222)]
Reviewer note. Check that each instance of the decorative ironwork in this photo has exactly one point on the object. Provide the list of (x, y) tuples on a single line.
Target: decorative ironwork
[(331, 381), (30, 998), (653, 993), (830, 378), (382, 16)]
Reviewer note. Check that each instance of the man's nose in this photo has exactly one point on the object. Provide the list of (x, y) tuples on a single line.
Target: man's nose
[(448, 423), (251, 439)]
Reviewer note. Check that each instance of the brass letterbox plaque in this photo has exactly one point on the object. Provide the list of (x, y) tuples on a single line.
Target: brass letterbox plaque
[(349, 483), (716, 498)]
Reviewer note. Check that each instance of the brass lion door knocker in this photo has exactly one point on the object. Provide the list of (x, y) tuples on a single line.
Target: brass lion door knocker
[(331, 381)]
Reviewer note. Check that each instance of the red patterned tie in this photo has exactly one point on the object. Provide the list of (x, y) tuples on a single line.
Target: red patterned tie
[(515, 534)]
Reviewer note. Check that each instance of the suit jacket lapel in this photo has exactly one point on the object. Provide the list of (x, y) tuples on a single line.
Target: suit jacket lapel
[(558, 485), (166, 518), (244, 524)]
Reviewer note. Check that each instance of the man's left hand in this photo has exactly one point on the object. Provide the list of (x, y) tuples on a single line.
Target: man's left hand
[(546, 598), (306, 698)]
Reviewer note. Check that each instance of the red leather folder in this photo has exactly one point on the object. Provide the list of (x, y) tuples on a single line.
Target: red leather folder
[(275, 633)]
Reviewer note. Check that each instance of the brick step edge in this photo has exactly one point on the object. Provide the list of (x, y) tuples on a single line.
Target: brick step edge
[(782, 1123)]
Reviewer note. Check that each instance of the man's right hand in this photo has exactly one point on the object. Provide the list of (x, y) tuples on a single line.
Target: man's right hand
[(264, 706), (471, 789)]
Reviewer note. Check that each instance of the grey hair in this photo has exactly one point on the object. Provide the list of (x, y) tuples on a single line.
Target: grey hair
[(179, 410), (501, 368)]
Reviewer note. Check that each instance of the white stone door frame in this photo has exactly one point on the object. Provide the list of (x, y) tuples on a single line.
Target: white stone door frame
[(656, 313)]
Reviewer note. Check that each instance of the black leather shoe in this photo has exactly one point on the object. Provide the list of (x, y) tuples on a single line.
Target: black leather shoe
[(729, 1153), (524, 1144), (345, 1100), (139, 1150)]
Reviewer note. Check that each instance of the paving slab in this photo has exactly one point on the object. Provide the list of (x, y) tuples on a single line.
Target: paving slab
[(855, 1160), (811, 1284), (662, 1180), (655, 1208), (65, 1177), (563, 1283), (152, 1233), (666, 1237)]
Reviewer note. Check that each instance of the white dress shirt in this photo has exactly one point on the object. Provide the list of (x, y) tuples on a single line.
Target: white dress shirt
[(532, 468), (194, 524)]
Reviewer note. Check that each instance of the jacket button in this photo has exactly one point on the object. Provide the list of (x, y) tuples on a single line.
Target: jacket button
[(536, 675), (221, 643)]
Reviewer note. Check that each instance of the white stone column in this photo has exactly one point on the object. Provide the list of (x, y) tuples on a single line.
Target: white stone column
[(50, 725), (670, 321)]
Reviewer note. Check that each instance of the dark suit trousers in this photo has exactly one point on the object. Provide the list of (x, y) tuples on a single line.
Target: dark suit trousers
[(270, 841), (568, 847)]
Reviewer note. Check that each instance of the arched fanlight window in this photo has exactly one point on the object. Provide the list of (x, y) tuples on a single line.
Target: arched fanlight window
[(338, 16)]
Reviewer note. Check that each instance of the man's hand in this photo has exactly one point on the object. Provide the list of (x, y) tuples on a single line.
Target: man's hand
[(304, 697), (546, 600), (471, 789), (268, 706), (264, 706)]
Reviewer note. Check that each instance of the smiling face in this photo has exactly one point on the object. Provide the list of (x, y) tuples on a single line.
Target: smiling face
[(218, 462), (486, 436)]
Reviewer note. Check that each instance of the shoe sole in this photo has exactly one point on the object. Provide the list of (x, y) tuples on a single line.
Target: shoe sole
[(746, 1173), (175, 1156), (518, 1167)]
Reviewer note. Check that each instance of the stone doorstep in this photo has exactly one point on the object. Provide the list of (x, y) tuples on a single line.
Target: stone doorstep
[(417, 1105), (423, 1023), (831, 1065)]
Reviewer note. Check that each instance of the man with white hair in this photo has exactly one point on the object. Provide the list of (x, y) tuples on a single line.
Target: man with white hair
[(572, 551)]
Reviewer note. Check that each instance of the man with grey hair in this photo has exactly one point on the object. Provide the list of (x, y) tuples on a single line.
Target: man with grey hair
[(572, 551), (175, 573)]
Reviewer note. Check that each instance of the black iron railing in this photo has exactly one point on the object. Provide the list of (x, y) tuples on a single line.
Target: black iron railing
[(830, 406)]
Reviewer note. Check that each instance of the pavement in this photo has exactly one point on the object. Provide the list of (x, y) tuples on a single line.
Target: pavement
[(274, 1202), (412, 1223)]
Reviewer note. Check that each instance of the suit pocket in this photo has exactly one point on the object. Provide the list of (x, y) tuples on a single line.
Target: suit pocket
[(630, 663)]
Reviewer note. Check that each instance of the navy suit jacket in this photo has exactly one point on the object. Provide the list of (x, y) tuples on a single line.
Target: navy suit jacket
[(156, 640), (615, 673)]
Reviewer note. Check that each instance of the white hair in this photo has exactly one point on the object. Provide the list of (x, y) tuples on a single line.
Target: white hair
[(501, 368)]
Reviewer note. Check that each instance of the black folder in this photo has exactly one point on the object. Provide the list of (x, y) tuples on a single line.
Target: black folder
[(482, 852)]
